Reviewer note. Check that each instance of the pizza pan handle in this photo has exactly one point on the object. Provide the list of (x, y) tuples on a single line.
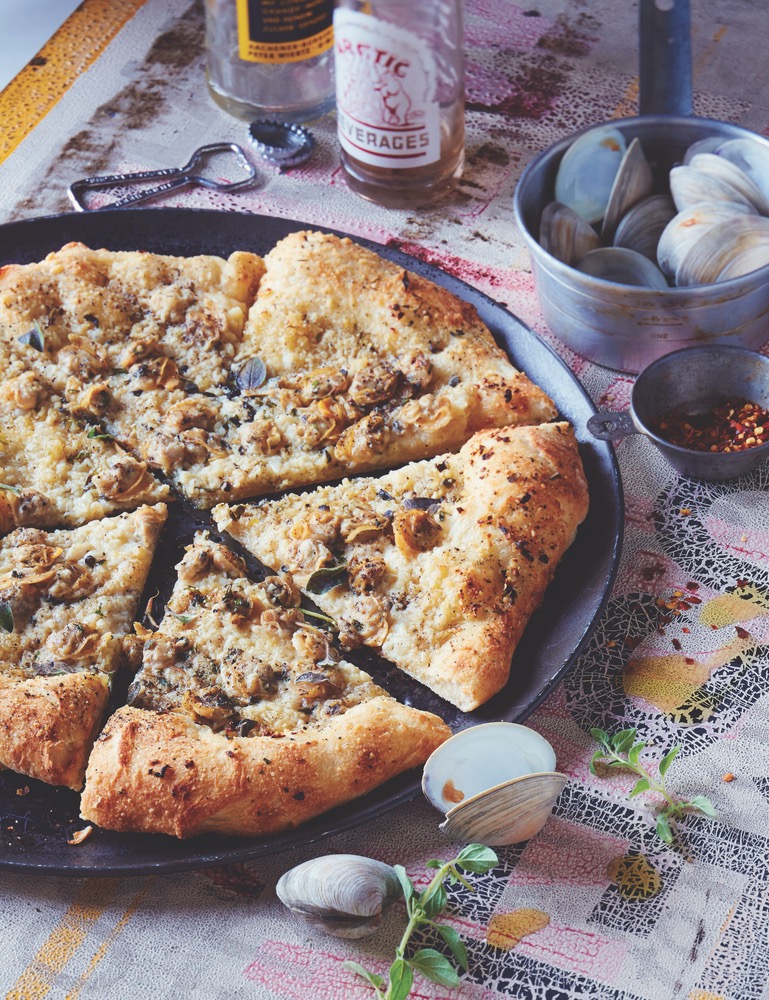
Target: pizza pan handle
[(665, 58)]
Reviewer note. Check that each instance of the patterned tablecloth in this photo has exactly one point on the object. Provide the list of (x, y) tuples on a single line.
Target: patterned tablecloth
[(596, 905)]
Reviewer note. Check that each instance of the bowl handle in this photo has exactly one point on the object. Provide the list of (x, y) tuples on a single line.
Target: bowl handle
[(665, 58), (611, 426)]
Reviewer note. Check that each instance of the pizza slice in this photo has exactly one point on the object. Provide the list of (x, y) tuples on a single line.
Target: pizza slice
[(68, 599), (82, 313), (243, 720), (348, 363), (54, 469), (440, 564)]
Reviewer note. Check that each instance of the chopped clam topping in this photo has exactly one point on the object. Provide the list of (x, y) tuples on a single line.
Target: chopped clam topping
[(415, 531)]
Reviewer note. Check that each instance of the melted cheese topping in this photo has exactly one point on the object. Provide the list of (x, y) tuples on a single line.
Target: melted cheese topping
[(73, 594), (446, 558), (53, 469), (365, 364), (241, 656)]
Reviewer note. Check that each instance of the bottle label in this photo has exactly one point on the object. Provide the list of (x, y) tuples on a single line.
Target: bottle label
[(284, 31), (387, 111)]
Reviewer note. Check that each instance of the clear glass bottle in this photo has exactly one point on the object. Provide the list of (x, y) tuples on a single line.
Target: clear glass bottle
[(400, 98), (271, 58)]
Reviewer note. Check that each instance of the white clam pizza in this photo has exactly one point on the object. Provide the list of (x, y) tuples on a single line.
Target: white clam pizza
[(440, 564), (134, 380)]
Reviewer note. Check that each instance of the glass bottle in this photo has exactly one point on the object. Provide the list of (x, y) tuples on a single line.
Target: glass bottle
[(400, 98), (271, 58)]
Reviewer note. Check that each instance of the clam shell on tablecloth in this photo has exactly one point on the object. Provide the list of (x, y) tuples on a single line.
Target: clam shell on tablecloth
[(342, 894), (496, 783)]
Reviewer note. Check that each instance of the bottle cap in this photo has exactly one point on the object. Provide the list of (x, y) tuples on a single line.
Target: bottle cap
[(282, 144)]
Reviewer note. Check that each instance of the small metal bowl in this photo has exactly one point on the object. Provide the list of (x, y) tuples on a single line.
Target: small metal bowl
[(693, 380)]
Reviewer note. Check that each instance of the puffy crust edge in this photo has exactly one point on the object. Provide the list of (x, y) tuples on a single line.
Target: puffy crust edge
[(48, 725), (475, 664), (164, 773)]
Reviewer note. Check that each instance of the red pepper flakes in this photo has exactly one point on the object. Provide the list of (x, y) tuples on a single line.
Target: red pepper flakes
[(743, 583), (689, 661), (741, 632), (729, 425), (676, 644), (728, 777)]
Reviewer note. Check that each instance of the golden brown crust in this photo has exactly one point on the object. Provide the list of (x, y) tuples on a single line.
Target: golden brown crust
[(48, 725), (456, 584), (166, 774)]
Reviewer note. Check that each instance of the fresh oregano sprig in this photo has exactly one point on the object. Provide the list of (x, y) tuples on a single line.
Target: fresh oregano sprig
[(624, 750), (421, 909)]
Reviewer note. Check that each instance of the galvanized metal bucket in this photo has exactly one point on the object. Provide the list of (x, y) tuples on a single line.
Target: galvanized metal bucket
[(626, 327)]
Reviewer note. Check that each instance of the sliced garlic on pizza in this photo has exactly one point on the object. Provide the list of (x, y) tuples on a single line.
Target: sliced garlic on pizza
[(438, 565), (243, 719), (68, 599)]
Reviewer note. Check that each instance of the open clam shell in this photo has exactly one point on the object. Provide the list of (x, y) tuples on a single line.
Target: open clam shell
[(685, 229), (624, 267), (587, 171), (641, 228), (731, 173), (566, 235), (751, 157), (717, 249), (633, 183), (495, 783), (690, 187)]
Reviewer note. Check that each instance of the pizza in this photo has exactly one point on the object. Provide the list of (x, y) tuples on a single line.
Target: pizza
[(82, 313), (68, 600), (438, 565), (243, 719), (134, 379)]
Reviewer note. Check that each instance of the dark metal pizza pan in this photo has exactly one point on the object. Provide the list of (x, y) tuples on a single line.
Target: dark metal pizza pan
[(35, 819)]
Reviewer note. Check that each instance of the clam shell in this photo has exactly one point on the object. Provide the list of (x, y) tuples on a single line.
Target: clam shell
[(507, 814), (495, 783), (624, 267), (751, 157), (690, 187), (708, 145), (565, 235), (633, 183), (587, 170), (641, 228), (746, 261), (343, 894), (731, 173), (715, 250), (683, 231)]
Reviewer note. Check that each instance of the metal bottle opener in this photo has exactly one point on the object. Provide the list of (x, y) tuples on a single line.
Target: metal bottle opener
[(176, 177)]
